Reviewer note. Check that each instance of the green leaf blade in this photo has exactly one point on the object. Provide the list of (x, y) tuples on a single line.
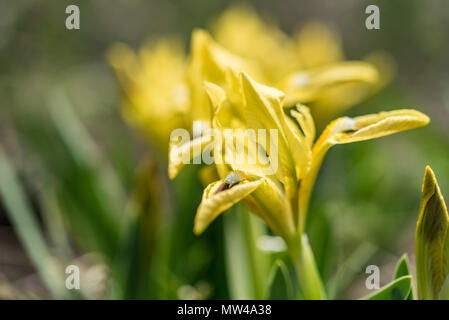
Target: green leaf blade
[(280, 283), (398, 289), (403, 269), (27, 228), (308, 275)]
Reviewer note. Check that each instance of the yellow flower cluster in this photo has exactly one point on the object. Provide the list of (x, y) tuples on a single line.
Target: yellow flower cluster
[(281, 198), (253, 76), (163, 89)]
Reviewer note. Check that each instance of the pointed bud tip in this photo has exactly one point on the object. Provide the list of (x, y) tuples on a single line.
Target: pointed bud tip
[(199, 33), (200, 39), (430, 181)]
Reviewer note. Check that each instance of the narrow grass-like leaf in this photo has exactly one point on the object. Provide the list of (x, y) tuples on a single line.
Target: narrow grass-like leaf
[(136, 250), (308, 275), (403, 269), (238, 269), (83, 149), (28, 230), (347, 271), (52, 217), (279, 283), (254, 229), (90, 195)]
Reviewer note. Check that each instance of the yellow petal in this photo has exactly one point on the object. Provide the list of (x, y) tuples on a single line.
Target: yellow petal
[(243, 32), (124, 62), (235, 93), (223, 111), (218, 197), (346, 130), (385, 65), (217, 95), (306, 123), (431, 239), (260, 105), (264, 111), (338, 97), (209, 62), (228, 140), (269, 202), (312, 85), (237, 149), (317, 45), (264, 198)]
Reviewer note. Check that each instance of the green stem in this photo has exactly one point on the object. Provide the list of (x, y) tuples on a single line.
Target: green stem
[(237, 269), (307, 273), (247, 266), (252, 231)]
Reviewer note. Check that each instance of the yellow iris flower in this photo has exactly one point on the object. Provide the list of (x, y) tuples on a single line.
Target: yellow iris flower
[(242, 31), (156, 93), (281, 198)]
